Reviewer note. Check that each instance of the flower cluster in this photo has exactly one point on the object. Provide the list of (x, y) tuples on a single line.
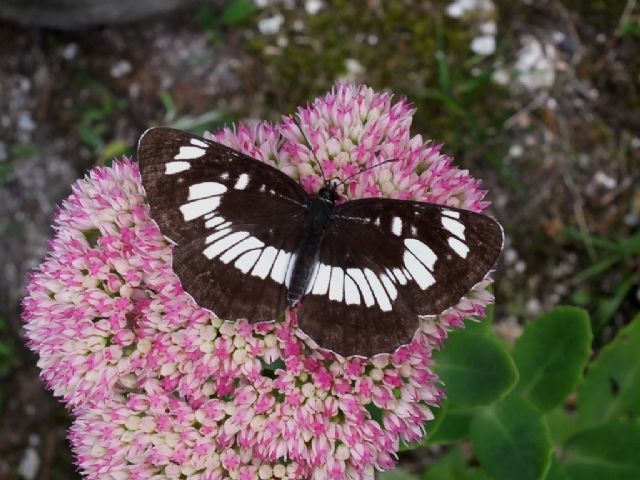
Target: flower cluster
[(160, 388)]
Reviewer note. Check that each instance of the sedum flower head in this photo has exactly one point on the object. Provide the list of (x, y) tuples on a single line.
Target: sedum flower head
[(161, 388)]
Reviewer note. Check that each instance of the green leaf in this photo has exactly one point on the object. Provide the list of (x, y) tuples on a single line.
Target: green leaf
[(562, 425), (551, 355), (607, 452), (397, 474), (170, 107), (453, 466), (113, 149), (475, 83), (439, 414), (453, 106), (236, 11), (512, 440), (476, 369), (597, 268), (90, 136), (556, 471), (453, 427), (608, 306), (630, 28), (611, 388)]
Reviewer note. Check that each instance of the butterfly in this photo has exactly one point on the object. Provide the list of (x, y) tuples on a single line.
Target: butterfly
[(249, 243)]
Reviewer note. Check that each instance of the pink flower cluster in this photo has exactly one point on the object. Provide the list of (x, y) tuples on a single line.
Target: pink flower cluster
[(162, 389)]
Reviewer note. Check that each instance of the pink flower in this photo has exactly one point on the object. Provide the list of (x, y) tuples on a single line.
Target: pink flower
[(161, 388)]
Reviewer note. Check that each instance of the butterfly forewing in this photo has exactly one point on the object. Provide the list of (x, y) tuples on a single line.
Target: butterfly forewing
[(390, 261), (236, 222)]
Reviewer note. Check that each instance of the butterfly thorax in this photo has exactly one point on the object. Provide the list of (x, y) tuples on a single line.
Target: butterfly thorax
[(319, 213)]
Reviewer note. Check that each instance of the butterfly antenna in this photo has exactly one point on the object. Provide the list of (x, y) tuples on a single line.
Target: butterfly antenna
[(368, 168), (324, 179)]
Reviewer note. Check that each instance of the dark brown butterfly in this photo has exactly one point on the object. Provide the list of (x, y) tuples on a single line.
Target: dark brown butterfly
[(250, 242)]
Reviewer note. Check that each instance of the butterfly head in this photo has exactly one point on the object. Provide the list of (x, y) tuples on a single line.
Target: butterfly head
[(329, 193)]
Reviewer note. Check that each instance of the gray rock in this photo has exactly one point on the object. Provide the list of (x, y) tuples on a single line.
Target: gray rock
[(71, 14)]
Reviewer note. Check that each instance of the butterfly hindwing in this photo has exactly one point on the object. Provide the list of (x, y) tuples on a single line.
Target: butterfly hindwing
[(236, 222), (390, 261)]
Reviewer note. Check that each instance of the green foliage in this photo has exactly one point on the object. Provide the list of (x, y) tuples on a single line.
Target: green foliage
[(562, 424), (476, 369), (453, 466), (551, 354), (605, 255), (234, 13), (514, 408), (208, 121), (397, 475), (237, 11), (511, 440), (556, 471), (453, 426), (630, 28), (606, 452), (96, 117), (611, 388)]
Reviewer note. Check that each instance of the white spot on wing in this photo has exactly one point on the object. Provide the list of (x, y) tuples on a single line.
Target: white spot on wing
[(263, 267), (187, 153), (451, 213), (399, 276), (224, 175), (198, 143), (351, 295), (378, 290), (214, 236), (396, 226), (454, 226), (388, 285), (199, 208), (363, 285), (422, 252), (460, 248), (321, 285), (213, 221), (223, 244), (279, 270), (245, 245), (336, 286), (247, 261), (171, 168), (205, 189), (420, 274), (242, 182)]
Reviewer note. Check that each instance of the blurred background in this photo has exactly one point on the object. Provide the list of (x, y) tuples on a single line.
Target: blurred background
[(539, 98)]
